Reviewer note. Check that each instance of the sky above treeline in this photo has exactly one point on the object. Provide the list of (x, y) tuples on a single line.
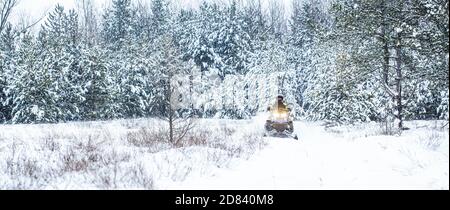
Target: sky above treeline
[(30, 10)]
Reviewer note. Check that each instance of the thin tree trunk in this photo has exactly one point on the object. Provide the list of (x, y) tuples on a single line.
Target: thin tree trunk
[(170, 109), (171, 125), (191, 92), (398, 82), (386, 58)]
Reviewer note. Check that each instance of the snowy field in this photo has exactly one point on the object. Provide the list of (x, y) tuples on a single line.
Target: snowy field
[(222, 154)]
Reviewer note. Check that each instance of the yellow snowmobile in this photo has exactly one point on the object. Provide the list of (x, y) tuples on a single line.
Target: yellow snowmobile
[(280, 122)]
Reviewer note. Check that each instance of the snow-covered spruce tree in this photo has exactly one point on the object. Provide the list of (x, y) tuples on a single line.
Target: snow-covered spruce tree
[(277, 19), (160, 17), (72, 95), (117, 22), (254, 20), (98, 87), (233, 46), (128, 61), (8, 59), (134, 69), (306, 25), (33, 98), (141, 30), (232, 43), (337, 91), (195, 34), (425, 57), (184, 35), (201, 46), (331, 85), (186, 31), (60, 42)]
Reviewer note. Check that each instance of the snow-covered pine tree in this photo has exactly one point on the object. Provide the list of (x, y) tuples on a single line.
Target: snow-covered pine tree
[(33, 98), (8, 59), (232, 43), (117, 23), (160, 17), (202, 47), (301, 41), (271, 74), (277, 19), (186, 31), (254, 20), (98, 87), (338, 91), (141, 29), (134, 69), (330, 86), (60, 42), (425, 57)]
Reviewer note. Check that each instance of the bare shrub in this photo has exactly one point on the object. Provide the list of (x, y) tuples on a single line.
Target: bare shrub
[(82, 155), (58, 134), (90, 155), (254, 142), (73, 163), (228, 130), (130, 123), (145, 137), (106, 135), (332, 127), (388, 128), (51, 144), (432, 140), (27, 173), (196, 138), (113, 174), (119, 177), (22, 167), (219, 158), (141, 177), (113, 158)]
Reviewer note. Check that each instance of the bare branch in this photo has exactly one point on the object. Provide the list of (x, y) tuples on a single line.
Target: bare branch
[(6, 7), (25, 28)]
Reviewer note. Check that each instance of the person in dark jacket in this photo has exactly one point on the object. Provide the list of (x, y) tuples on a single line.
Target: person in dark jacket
[(279, 105)]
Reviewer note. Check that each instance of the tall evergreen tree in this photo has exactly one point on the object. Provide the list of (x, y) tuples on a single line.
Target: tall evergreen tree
[(233, 44), (117, 23), (34, 100), (160, 17)]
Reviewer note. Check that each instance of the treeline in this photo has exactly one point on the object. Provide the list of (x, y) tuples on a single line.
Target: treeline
[(345, 61)]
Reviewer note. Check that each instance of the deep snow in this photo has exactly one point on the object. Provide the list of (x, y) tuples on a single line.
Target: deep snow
[(236, 157), (340, 159)]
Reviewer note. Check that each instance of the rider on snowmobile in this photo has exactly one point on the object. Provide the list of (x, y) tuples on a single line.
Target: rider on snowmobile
[(279, 106), (280, 120)]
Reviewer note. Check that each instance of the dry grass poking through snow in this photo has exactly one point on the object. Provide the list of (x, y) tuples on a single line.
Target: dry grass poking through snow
[(126, 154)]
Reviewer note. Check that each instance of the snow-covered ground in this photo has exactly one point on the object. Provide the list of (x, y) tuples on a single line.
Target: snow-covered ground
[(342, 158), (225, 154)]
